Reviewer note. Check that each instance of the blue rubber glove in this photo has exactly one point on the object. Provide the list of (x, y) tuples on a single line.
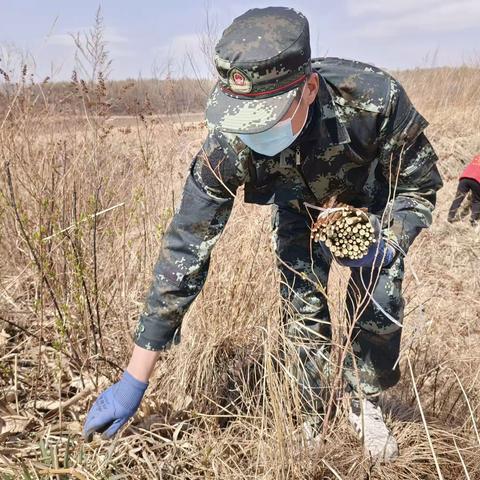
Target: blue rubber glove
[(114, 407), (378, 255)]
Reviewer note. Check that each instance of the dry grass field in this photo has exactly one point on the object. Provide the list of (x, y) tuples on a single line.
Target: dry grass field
[(84, 202)]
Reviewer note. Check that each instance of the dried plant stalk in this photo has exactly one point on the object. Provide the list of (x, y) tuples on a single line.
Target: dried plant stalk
[(344, 229)]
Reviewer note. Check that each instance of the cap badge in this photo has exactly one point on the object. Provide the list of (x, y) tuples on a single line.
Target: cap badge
[(238, 81)]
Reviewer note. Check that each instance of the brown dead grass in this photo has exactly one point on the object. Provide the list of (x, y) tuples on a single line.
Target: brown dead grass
[(73, 281)]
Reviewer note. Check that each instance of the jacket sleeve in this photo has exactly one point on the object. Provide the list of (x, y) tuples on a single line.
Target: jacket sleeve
[(408, 166), (182, 266)]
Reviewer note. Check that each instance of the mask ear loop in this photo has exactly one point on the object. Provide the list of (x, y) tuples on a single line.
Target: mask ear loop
[(289, 119), (295, 112)]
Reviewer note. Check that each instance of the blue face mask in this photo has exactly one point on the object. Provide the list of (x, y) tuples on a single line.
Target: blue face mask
[(275, 139)]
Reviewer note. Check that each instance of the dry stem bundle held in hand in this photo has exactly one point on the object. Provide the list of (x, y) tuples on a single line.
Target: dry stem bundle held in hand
[(345, 230)]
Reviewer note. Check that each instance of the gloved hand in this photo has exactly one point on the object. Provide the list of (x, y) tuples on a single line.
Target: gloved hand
[(378, 254), (114, 407)]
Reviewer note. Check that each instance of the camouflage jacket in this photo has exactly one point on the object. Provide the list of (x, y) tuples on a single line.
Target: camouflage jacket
[(363, 142)]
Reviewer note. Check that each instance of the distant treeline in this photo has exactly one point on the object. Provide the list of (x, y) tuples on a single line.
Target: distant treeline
[(119, 97), (173, 96)]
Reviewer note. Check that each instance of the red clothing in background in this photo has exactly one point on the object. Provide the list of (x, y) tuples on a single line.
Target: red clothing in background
[(472, 170)]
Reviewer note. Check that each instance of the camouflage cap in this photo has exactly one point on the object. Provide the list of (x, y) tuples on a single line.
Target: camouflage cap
[(262, 60)]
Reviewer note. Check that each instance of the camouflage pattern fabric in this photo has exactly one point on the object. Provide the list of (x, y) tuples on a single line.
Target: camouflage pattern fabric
[(375, 338), (375, 341), (261, 60), (304, 274), (364, 143)]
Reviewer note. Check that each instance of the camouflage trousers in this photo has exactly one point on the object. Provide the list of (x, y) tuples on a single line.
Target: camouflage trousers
[(375, 341)]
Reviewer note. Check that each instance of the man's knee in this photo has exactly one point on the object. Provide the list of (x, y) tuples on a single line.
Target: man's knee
[(380, 348), (375, 299)]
